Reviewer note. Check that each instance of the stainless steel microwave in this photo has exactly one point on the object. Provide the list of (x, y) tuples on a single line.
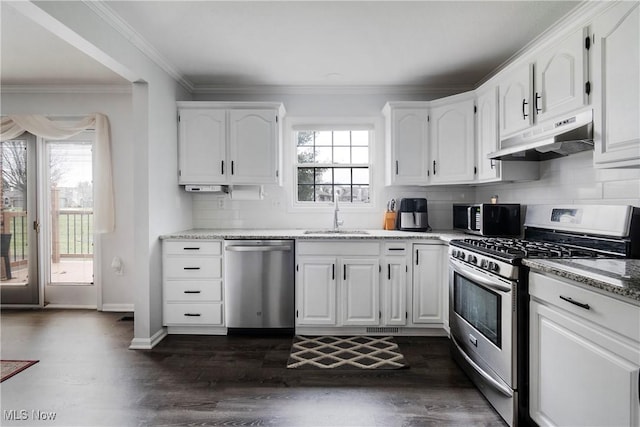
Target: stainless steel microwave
[(488, 219)]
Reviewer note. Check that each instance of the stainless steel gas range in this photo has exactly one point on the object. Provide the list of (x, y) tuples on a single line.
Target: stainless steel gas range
[(488, 291)]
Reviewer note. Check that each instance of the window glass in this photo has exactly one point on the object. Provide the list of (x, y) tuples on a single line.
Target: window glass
[(333, 162)]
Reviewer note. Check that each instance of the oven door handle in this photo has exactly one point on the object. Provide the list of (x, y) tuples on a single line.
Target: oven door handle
[(492, 381), (484, 281)]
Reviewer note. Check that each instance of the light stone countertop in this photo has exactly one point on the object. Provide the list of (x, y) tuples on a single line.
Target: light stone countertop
[(299, 234), (620, 277)]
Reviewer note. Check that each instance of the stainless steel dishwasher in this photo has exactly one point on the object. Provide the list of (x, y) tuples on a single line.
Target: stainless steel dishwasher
[(259, 284)]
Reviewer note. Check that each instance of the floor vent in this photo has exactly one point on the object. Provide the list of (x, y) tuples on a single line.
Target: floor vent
[(383, 330)]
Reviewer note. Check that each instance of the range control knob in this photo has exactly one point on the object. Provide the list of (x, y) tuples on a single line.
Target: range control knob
[(484, 263), (494, 267), (472, 259)]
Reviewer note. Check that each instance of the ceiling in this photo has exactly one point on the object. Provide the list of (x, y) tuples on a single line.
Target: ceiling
[(432, 44)]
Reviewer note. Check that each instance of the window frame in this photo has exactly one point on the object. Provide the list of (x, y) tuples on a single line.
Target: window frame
[(370, 124)]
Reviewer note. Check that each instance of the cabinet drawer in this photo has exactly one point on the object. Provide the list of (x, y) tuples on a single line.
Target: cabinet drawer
[(193, 267), (193, 291), (193, 314), (399, 249), (608, 312), (192, 247)]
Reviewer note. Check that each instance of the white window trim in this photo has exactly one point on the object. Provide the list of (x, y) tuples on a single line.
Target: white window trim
[(376, 170)]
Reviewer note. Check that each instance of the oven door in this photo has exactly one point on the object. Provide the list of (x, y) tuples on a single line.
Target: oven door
[(482, 322)]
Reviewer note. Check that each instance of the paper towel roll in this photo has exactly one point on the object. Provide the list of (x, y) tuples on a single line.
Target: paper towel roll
[(247, 192)]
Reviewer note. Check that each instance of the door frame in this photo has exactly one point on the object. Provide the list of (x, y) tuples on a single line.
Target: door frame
[(32, 206), (44, 204)]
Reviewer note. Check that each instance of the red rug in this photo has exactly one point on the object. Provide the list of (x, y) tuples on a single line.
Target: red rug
[(9, 368)]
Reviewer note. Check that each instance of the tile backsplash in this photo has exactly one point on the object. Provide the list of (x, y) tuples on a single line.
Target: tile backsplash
[(570, 180), (276, 210)]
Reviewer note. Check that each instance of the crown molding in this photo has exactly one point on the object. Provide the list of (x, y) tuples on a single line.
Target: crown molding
[(575, 18), (129, 33), (329, 90), (68, 89)]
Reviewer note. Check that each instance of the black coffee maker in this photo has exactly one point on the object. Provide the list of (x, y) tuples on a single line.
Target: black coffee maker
[(412, 215)]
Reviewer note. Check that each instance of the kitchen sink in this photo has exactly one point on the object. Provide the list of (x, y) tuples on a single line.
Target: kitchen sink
[(336, 232)]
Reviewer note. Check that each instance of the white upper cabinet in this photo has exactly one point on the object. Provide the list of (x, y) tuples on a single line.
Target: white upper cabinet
[(229, 143), (407, 143), (452, 141), (202, 147), (561, 78), (554, 82), (487, 134), (488, 141), (616, 87), (515, 97), (253, 146)]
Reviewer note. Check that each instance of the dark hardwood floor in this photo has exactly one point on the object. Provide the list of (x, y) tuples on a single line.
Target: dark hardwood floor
[(88, 377)]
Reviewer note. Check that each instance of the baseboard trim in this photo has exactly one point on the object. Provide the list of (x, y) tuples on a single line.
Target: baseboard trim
[(70, 306), (148, 343), (118, 307)]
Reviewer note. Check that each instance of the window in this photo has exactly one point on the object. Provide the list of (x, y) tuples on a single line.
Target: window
[(333, 162)]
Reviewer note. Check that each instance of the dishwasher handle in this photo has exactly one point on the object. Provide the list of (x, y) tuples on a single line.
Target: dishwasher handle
[(243, 248)]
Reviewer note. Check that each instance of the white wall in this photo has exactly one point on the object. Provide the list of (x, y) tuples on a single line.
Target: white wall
[(117, 291), (571, 179), (276, 209), (158, 204)]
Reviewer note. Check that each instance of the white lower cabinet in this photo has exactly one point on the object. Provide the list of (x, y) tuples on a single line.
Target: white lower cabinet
[(363, 287), (428, 283), (338, 283), (394, 291), (316, 291), (584, 356), (192, 290), (360, 294)]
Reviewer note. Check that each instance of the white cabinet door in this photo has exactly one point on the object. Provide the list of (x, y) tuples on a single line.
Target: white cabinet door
[(394, 291), (452, 142), (616, 86), (487, 134), (579, 375), (316, 291), (514, 101), (560, 78), (360, 291), (253, 146), (408, 139), (427, 283), (201, 146)]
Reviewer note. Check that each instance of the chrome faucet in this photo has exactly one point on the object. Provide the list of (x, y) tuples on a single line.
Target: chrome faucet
[(336, 222)]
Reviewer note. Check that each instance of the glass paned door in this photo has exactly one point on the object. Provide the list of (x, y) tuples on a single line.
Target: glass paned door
[(68, 226), (18, 247)]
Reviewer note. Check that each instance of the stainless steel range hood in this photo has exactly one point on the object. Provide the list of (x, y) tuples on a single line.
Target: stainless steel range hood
[(549, 140)]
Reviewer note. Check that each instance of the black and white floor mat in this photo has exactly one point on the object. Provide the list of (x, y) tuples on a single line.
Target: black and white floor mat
[(354, 352)]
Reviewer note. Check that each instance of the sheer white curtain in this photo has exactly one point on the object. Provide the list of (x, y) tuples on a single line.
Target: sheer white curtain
[(13, 126)]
